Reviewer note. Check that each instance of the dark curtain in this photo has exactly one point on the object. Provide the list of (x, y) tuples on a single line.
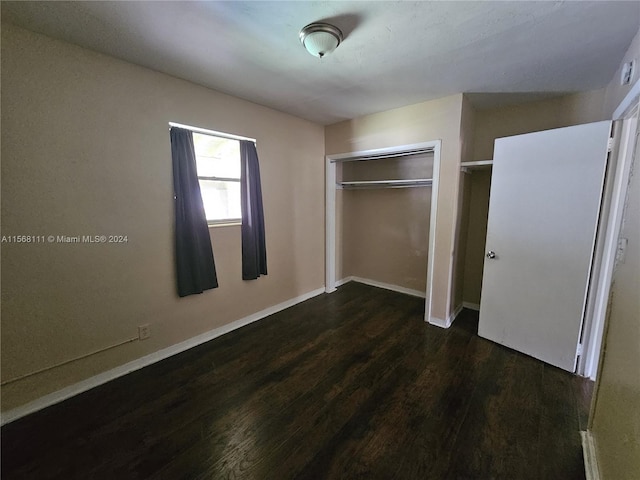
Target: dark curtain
[(254, 251), (196, 270)]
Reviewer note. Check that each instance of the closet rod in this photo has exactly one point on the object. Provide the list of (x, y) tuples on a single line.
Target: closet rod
[(418, 182), (385, 155)]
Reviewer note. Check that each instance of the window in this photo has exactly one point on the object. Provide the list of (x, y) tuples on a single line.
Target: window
[(218, 165)]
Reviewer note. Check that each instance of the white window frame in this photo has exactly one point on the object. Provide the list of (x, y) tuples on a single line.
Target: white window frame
[(221, 221), (213, 133)]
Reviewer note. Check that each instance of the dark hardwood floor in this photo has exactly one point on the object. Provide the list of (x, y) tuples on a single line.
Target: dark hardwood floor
[(352, 385)]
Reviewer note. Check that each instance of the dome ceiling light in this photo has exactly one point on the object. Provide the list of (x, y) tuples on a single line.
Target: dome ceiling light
[(320, 38)]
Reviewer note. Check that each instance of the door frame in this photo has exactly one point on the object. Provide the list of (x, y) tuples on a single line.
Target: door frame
[(594, 323), (330, 210)]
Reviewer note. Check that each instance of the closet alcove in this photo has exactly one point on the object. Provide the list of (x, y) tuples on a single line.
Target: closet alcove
[(475, 188), (380, 206)]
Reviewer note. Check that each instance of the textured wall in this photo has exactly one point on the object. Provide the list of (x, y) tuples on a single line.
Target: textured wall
[(500, 122), (433, 120), (85, 151), (615, 421)]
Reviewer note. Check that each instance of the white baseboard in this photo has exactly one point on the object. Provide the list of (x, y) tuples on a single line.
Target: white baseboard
[(386, 286), (591, 469), (438, 322), (471, 306), (343, 281), (92, 382), (407, 291)]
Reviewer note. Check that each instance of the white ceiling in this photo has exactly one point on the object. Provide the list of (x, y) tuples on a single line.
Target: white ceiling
[(394, 53)]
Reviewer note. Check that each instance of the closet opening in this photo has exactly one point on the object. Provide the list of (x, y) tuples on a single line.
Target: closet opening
[(475, 188), (380, 218)]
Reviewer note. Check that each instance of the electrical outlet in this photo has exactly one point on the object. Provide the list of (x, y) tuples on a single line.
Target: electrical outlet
[(144, 331)]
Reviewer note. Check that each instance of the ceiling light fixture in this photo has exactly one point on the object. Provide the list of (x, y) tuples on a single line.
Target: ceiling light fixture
[(320, 38)]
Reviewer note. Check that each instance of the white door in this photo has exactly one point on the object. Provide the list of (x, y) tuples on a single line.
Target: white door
[(543, 214)]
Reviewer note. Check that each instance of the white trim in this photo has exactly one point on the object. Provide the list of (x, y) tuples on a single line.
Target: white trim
[(627, 101), (388, 286), (454, 235), (591, 468), (431, 255), (221, 225), (211, 132), (598, 302), (471, 306), (330, 228), (438, 322), (330, 213), (341, 282), (102, 378)]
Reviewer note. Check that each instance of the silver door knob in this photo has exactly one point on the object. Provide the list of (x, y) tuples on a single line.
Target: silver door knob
[(491, 254)]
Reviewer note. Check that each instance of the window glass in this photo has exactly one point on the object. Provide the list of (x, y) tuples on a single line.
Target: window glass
[(218, 165)]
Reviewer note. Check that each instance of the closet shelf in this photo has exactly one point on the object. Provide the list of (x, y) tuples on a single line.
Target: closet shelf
[(477, 163), (418, 182), (468, 167)]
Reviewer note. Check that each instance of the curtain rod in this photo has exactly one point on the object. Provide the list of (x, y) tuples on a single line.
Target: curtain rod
[(211, 132)]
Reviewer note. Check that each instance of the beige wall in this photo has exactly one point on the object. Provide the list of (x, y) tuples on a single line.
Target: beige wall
[(85, 150), (615, 422), (615, 92), (437, 119), (616, 418), (499, 122), (467, 130), (386, 235), (461, 237), (534, 116), (479, 184), (385, 232)]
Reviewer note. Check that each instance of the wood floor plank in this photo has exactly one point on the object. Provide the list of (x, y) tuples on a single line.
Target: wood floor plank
[(346, 422), (281, 405), (500, 435), (560, 454), (344, 386), (369, 351)]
